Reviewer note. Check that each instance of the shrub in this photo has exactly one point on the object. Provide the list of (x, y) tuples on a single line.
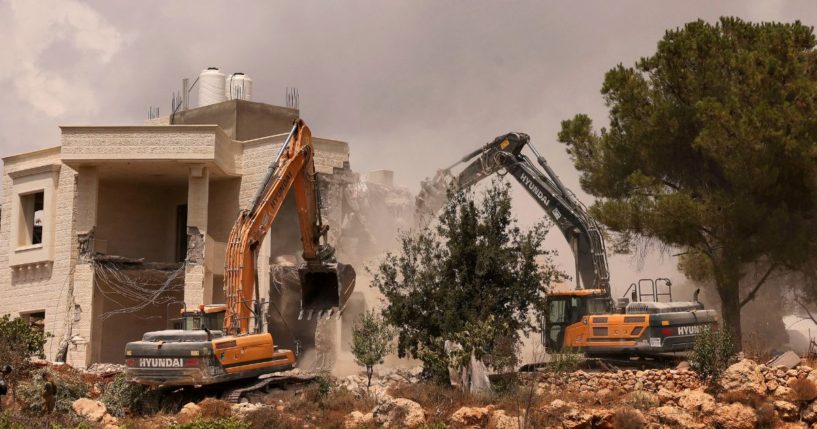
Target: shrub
[(69, 386), (627, 418), (121, 396), (712, 353), (219, 423), (268, 417), (641, 400), (19, 343), (567, 361)]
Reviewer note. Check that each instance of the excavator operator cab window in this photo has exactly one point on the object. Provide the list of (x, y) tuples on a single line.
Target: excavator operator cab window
[(195, 321), (563, 311), (598, 305)]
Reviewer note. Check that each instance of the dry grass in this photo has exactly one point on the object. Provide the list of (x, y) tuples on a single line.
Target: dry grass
[(266, 417), (439, 401), (628, 418), (212, 408)]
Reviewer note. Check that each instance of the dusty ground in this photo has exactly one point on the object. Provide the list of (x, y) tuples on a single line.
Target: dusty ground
[(747, 396)]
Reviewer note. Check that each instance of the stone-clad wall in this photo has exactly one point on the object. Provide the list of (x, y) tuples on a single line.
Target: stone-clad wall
[(45, 286)]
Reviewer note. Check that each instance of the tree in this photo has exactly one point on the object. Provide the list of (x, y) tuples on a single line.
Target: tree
[(473, 280), (18, 343), (371, 342), (711, 149)]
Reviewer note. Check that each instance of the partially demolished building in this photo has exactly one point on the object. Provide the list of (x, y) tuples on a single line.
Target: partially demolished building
[(114, 231)]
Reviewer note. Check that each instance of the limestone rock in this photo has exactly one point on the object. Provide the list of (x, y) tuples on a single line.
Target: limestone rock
[(500, 420), (471, 416), (676, 417), (744, 376), (786, 410), (243, 409), (89, 409), (666, 395), (810, 413), (735, 416), (399, 413), (696, 401), (356, 419), (189, 412)]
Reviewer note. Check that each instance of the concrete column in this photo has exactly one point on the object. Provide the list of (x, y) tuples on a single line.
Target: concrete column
[(87, 327), (198, 280)]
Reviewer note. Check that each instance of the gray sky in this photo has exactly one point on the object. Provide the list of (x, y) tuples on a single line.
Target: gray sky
[(411, 85)]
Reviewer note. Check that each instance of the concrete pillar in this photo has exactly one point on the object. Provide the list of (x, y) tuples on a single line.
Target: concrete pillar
[(87, 327), (198, 279)]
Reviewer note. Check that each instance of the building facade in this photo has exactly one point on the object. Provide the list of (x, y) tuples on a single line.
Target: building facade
[(114, 231)]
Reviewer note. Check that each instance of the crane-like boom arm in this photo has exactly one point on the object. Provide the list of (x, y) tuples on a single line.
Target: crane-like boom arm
[(323, 287), (561, 206)]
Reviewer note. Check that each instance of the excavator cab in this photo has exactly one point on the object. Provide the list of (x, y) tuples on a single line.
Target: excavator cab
[(570, 307), (209, 317)]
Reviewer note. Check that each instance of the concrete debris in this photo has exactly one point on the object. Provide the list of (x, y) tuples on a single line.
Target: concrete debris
[(789, 359), (195, 246)]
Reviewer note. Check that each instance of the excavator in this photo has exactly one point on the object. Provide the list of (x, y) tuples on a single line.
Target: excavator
[(646, 322), (225, 343)]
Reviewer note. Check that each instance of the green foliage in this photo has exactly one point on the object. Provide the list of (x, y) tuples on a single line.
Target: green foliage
[(7, 423), (641, 399), (474, 279), (219, 423), (565, 362), (371, 341), (69, 387), (711, 148), (18, 343), (121, 396), (712, 353)]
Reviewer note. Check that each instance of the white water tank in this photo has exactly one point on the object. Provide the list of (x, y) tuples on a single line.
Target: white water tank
[(238, 86), (211, 87)]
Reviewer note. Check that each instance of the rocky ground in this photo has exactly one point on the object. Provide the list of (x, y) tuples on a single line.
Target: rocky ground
[(747, 396)]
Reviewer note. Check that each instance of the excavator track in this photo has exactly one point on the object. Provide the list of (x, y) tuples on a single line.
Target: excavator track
[(236, 393)]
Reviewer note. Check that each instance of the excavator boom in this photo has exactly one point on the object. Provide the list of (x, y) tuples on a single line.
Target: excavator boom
[(561, 206), (325, 284)]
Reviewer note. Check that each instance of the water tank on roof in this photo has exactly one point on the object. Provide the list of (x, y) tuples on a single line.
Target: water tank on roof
[(211, 87), (238, 86)]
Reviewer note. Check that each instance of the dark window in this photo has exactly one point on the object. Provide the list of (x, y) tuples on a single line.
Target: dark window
[(31, 223)]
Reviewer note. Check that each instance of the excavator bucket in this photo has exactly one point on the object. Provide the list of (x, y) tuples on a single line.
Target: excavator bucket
[(326, 286)]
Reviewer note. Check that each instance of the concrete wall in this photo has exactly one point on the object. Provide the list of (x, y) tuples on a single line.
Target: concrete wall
[(136, 220)]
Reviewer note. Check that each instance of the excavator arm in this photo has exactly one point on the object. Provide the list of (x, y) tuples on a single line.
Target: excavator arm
[(325, 284), (504, 154)]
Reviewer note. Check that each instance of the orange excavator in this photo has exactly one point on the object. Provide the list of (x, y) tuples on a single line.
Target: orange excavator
[(225, 342)]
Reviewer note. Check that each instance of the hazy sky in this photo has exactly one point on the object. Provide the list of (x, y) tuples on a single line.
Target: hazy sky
[(411, 85)]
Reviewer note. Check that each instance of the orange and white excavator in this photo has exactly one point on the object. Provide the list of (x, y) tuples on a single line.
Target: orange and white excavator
[(226, 342)]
